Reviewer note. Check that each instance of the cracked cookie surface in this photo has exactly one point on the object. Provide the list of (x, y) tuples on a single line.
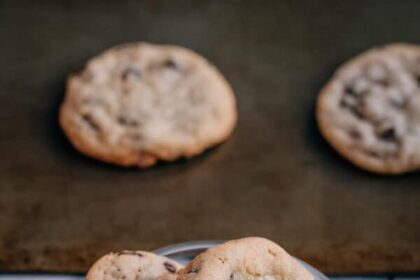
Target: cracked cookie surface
[(370, 110), (139, 103), (132, 265), (251, 258)]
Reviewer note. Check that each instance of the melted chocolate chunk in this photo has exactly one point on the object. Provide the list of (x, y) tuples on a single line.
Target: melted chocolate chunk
[(357, 112), (372, 154), (388, 134), (349, 89), (89, 120), (418, 80), (355, 134), (344, 103), (384, 82), (231, 277), (126, 121), (169, 267), (128, 252), (169, 63), (130, 72)]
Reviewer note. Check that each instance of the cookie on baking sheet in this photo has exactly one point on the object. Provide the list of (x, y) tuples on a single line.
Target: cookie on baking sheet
[(139, 103), (247, 258), (370, 110), (132, 265)]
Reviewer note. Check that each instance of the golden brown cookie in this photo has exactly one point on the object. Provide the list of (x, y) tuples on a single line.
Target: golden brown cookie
[(370, 110), (251, 258), (132, 265), (139, 103)]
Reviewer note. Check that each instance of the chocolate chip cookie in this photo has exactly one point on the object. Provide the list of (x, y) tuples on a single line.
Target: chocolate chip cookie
[(132, 265), (139, 103), (247, 258), (370, 110)]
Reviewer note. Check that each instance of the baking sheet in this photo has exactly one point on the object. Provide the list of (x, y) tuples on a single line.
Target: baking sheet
[(275, 177)]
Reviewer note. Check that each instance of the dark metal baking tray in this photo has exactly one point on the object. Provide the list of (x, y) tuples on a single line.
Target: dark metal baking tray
[(276, 177)]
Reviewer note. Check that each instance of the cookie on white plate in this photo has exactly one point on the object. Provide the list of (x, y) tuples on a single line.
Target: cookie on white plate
[(132, 265), (136, 104), (251, 258), (370, 110)]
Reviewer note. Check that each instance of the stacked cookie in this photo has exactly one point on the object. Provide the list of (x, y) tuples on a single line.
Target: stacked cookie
[(248, 258)]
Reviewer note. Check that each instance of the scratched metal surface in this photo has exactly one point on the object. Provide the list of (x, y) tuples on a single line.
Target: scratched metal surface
[(275, 178)]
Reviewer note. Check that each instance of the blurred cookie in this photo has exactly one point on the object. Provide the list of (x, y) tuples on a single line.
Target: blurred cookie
[(132, 265), (139, 103), (370, 110), (246, 258)]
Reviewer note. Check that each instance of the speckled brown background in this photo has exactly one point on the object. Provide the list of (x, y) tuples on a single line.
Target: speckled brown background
[(276, 177)]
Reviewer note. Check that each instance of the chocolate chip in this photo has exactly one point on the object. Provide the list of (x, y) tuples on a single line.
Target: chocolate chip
[(355, 134), (346, 103), (372, 154), (171, 64), (349, 102), (130, 72), (128, 252), (388, 134), (231, 277), (89, 120), (384, 82), (418, 80), (357, 113), (169, 267), (349, 89), (126, 121)]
